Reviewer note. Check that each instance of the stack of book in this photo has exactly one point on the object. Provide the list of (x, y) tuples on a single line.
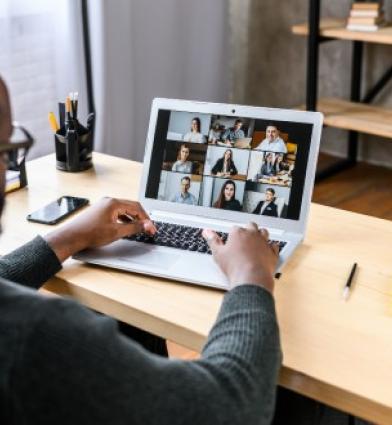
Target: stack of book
[(366, 16)]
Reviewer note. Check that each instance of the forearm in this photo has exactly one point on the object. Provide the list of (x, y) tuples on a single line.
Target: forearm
[(30, 265), (243, 353)]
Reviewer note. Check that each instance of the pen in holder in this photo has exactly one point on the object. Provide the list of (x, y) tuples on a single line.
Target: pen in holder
[(74, 145)]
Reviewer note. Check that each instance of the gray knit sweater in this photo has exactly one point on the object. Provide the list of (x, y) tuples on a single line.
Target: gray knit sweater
[(60, 363)]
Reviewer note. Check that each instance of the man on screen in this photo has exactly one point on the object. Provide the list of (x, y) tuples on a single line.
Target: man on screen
[(232, 134), (268, 206), (184, 196), (272, 142)]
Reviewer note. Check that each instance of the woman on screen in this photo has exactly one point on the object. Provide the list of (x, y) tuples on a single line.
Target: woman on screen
[(194, 135), (215, 133), (227, 200), (280, 166), (225, 166), (182, 165), (267, 168)]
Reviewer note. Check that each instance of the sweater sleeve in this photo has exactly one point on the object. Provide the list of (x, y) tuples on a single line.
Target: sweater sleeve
[(76, 368), (30, 265)]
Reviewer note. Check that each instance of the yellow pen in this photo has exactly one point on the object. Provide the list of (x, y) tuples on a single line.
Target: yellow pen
[(53, 122)]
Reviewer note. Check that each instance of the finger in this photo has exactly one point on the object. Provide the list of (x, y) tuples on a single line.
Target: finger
[(133, 212), (132, 208), (236, 229), (264, 232), (129, 229), (252, 226), (234, 233), (149, 227), (275, 248), (213, 240)]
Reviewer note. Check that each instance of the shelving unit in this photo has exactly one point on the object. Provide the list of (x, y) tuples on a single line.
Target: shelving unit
[(336, 29), (355, 115)]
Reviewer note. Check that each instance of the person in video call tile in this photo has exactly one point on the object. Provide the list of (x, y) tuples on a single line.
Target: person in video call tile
[(227, 200), (268, 167), (182, 165), (225, 166), (195, 135), (267, 207), (272, 142), (215, 133), (184, 197), (280, 166), (232, 134)]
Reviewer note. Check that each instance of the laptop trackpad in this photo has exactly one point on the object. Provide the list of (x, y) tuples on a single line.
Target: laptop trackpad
[(155, 258), (125, 253)]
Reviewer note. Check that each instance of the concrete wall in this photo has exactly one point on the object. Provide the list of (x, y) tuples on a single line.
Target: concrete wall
[(270, 65)]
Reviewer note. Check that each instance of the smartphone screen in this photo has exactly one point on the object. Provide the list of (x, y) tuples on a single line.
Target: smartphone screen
[(57, 210)]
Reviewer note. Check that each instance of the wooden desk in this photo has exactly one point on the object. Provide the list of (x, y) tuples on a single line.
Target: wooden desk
[(334, 351)]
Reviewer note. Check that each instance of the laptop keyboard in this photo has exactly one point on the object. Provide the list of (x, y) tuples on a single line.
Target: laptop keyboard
[(181, 237)]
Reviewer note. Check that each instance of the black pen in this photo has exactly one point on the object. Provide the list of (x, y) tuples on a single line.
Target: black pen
[(346, 289)]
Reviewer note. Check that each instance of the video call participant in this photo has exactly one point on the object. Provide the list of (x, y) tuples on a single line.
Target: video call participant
[(272, 142), (268, 167), (184, 196), (215, 133), (280, 166), (195, 135), (267, 207), (227, 200), (182, 165), (225, 166), (232, 134)]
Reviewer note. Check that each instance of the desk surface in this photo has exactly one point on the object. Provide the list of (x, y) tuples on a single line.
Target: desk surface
[(334, 351)]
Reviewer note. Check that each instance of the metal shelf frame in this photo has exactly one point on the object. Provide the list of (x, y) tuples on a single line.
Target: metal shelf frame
[(314, 41)]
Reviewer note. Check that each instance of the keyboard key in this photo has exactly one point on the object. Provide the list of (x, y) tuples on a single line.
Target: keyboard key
[(181, 237)]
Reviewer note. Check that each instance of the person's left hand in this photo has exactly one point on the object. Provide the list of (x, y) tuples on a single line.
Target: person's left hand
[(106, 221)]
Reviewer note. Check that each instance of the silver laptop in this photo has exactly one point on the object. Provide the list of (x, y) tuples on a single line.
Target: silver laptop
[(198, 173)]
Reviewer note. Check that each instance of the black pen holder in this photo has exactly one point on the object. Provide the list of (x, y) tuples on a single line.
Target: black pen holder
[(74, 147)]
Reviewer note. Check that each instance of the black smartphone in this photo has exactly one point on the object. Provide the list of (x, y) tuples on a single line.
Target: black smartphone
[(57, 210)]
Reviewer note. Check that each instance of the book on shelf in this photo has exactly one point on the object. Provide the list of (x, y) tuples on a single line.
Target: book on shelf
[(367, 6), (364, 13), (365, 21), (366, 16), (369, 28)]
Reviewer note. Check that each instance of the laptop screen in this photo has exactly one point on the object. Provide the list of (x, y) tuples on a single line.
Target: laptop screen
[(256, 166)]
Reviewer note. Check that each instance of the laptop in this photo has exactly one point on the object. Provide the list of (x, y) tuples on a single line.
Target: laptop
[(189, 184)]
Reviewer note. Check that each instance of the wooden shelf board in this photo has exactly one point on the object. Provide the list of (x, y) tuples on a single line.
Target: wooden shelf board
[(336, 28), (360, 117)]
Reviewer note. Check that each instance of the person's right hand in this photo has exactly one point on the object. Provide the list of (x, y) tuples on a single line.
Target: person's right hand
[(247, 257)]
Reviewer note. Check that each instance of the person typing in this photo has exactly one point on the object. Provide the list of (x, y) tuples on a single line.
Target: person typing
[(64, 364)]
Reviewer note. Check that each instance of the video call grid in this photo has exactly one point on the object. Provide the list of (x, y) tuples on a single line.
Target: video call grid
[(223, 144)]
